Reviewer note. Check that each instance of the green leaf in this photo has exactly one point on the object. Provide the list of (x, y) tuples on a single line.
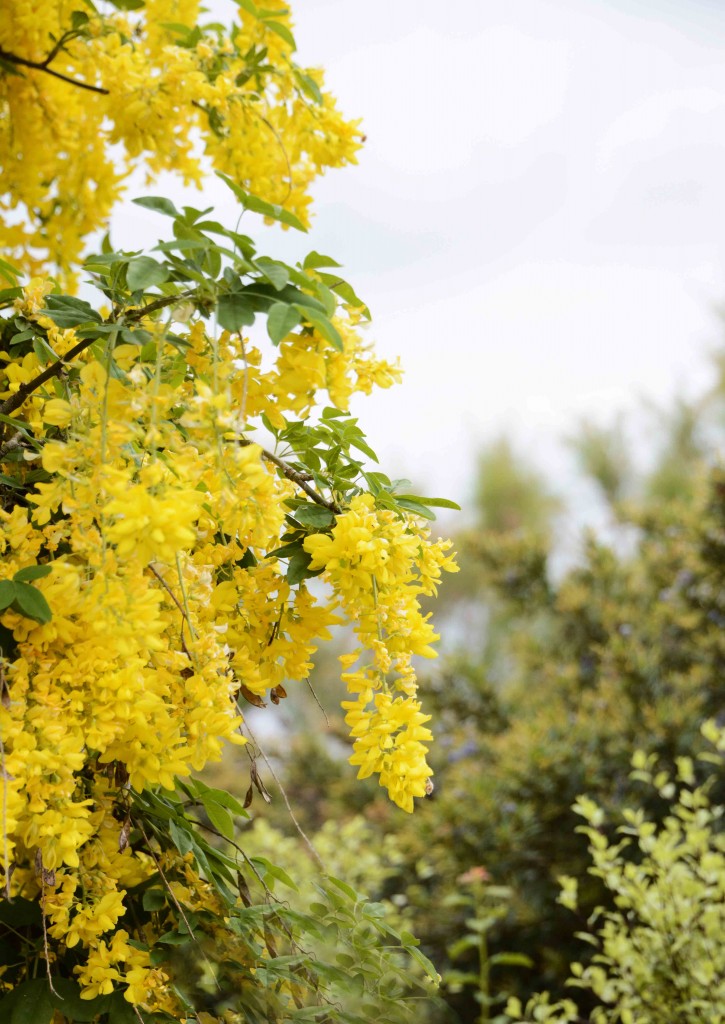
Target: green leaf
[(181, 838), (9, 272), (154, 899), (145, 272), (298, 568), (346, 293), (424, 962), (31, 603), (7, 593), (313, 260), (462, 946), (43, 350), (8, 646), (343, 887), (20, 912), (182, 244), (310, 87), (219, 816), (276, 273), (234, 312), (511, 959), (120, 1010), (67, 311), (269, 870), (69, 1001), (28, 1003), (362, 446), (293, 548), (32, 572), (414, 506), (281, 319), (326, 329), (10, 69), (314, 515), (431, 502), (257, 205), (220, 796), (283, 32), (78, 20), (159, 204)]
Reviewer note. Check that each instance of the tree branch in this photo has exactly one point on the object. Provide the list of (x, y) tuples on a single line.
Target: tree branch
[(16, 441), (298, 478), (16, 400), (42, 65)]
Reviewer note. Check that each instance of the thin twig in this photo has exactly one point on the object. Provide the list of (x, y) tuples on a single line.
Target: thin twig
[(176, 902), (45, 934), (243, 409), (42, 65), (5, 781), (16, 400), (303, 836), (317, 701), (164, 879), (178, 604)]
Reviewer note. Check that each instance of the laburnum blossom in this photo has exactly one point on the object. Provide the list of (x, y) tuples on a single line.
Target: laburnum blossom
[(149, 98), (379, 565)]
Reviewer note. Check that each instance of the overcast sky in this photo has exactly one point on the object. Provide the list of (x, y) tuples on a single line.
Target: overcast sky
[(536, 219)]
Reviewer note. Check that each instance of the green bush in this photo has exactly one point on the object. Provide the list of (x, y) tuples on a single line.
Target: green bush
[(660, 955)]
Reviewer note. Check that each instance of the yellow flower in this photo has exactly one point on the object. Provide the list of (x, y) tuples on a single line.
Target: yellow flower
[(57, 412)]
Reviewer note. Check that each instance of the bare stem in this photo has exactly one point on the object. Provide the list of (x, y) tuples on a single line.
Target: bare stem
[(303, 836), (45, 935)]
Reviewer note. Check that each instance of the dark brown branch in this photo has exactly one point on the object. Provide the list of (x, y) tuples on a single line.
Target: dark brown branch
[(299, 478), (16, 400), (42, 65)]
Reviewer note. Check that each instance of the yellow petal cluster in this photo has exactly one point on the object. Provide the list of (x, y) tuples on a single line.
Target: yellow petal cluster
[(379, 564), (150, 96)]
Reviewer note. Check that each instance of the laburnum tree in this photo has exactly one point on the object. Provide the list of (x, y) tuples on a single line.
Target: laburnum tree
[(169, 486)]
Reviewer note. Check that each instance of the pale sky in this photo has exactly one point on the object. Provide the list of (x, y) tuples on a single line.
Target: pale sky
[(536, 221)]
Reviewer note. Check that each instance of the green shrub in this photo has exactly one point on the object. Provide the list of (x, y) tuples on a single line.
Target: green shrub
[(660, 953)]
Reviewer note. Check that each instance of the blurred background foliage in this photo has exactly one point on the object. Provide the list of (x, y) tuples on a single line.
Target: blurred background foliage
[(550, 680)]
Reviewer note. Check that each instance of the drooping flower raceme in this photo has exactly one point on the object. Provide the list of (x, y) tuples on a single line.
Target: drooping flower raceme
[(379, 563)]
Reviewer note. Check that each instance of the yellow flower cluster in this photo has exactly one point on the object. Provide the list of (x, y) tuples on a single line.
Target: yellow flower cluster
[(155, 515), (140, 525), (379, 564), (169, 98)]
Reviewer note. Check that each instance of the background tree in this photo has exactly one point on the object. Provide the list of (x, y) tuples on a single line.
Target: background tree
[(557, 676)]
